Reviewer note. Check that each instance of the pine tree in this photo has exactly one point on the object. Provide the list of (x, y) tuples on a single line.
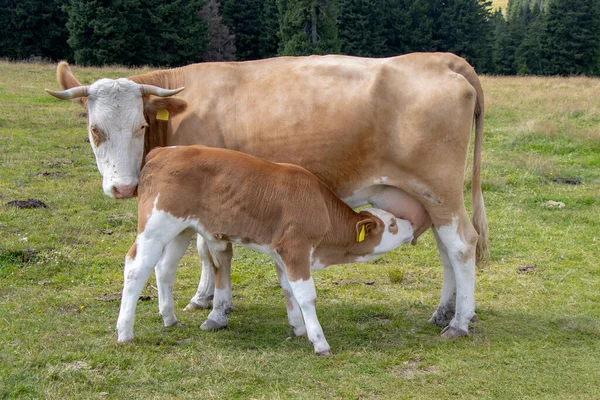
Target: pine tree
[(409, 27), (136, 32), (221, 45), (362, 29), (572, 37), (528, 54), (33, 28), (308, 27), (243, 17), (502, 58), (462, 27), (270, 36)]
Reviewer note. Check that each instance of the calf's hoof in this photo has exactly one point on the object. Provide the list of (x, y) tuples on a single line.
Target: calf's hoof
[(212, 325), (441, 317), (324, 353), (451, 332), (199, 304)]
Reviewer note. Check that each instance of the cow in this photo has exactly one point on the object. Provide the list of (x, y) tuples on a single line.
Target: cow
[(281, 210), (390, 132)]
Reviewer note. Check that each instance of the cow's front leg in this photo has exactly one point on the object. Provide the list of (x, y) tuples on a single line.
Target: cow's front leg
[(206, 287), (294, 313), (460, 239), (222, 302), (165, 275)]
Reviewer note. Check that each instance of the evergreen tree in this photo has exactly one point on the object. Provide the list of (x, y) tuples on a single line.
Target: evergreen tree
[(502, 58), (243, 17), (463, 28), (528, 55), (362, 29), (308, 27), (270, 36), (136, 32), (409, 27), (221, 45), (572, 37), (33, 28)]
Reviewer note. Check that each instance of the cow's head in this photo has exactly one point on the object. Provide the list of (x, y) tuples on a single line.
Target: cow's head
[(116, 125)]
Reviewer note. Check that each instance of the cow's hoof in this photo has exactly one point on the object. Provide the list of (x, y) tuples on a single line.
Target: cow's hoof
[(441, 317), (324, 353), (174, 324), (212, 325), (199, 304), (451, 332)]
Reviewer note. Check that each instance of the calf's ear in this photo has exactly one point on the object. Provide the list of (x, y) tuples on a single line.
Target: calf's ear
[(365, 228), (163, 108)]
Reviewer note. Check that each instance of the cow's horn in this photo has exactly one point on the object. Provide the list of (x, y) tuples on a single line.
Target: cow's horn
[(73, 93), (157, 91)]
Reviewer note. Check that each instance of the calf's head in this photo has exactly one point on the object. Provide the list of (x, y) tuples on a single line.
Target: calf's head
[(379, 232), (116, 111)]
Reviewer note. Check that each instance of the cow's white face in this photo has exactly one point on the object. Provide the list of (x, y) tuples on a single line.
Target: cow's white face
[(116, 128)]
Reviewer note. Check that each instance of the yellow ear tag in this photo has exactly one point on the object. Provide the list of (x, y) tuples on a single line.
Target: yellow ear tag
[(162, 114), (361, 236)]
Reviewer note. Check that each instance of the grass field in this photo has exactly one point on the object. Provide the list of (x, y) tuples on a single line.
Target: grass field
[(538, 301)]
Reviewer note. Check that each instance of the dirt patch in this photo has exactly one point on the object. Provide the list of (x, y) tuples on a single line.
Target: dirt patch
[(567, 181), (524, 269), (106, 231), (354, 281), (57, 164), (31, 203), (49, 174), (413, 368)]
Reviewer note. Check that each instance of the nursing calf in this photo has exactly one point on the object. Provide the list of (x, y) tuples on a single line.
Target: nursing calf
[(228, 197)]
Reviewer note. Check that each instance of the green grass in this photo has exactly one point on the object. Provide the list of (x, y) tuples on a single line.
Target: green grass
[(538, 333)]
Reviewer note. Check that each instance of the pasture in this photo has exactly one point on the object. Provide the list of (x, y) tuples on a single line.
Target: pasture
[(538, 300)]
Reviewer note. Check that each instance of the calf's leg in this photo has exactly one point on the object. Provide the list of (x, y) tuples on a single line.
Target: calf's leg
[(222, 252), (206, 287), (165, 275), (293, 308), (296, 262)]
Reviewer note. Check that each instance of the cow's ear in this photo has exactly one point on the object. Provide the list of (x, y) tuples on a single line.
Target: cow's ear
[(365, 228), (163, 108), (67, 80)]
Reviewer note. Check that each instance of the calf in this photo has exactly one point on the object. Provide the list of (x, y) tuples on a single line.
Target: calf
[(228, 197)]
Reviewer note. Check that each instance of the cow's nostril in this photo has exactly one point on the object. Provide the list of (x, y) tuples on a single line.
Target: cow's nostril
[(124, 192)]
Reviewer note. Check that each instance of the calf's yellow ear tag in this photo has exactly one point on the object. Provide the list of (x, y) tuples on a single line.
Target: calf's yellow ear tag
[(361, 236), (162, 114)]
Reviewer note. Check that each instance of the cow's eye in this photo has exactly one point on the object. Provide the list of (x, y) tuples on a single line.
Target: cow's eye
[(97, 135), (392, 224)]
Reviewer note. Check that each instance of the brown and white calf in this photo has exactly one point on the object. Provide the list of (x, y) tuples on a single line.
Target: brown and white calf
[(228, 197)]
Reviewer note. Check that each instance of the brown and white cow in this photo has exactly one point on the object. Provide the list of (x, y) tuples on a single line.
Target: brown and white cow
[(227, 197), (391, 132)]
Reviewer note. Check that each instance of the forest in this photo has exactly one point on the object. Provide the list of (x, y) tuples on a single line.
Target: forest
[(529, 37)]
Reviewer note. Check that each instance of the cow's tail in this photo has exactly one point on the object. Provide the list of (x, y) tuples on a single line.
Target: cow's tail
[(479, 218)]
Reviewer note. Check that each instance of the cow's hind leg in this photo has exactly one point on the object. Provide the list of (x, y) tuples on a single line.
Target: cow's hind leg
[(222, 302), (206, 287), (293, 308), (445, 310), (165, 275), (458, 237)]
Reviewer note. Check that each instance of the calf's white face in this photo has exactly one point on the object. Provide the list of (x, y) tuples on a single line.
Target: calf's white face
[(396, 232), (116, 128)]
